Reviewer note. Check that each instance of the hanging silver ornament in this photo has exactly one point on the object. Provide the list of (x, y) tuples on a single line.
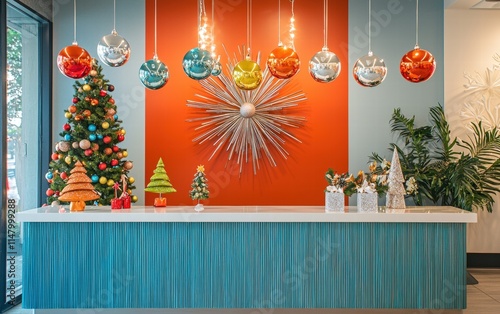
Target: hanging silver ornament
[(113, 50), (324, 66), (369, 70)]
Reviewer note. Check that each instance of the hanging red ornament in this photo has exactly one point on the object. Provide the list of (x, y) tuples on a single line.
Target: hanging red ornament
[(116, 149), (86, 113), (114, 162), (120, 137), (54, 156), (95, 147), (75, 100), (66, 127), (49, 192), (102, 166), (106, 139), (94, 102), (88, 152), (103, 93), (417, 65), (111, 101), (283, 62), (108, 151), (72, 108), (111, 88), (74, 61), (63, 175)]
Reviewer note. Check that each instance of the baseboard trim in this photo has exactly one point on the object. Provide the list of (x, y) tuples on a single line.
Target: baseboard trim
[(483, 260)]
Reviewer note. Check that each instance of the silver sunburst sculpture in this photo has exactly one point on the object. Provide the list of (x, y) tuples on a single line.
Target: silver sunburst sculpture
[(248, 124)]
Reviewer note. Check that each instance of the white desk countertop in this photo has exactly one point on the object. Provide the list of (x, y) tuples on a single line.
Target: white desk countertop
[(427, 214)]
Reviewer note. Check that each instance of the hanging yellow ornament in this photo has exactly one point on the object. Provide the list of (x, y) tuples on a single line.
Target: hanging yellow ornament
[(247, 74)]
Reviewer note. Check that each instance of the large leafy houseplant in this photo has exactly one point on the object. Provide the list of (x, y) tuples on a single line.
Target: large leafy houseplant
[(446, 171)]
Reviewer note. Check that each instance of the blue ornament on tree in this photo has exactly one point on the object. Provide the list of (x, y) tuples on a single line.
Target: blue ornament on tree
[(67, 137), (99, 136), (92, 137), (115, 117), (49, 175), (94, 178), (92, 127)]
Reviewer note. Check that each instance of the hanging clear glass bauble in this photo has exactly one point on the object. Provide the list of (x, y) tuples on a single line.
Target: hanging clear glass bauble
[(417, 65), (247, 74), (74, 61), (324, 66), (198, 64), (153, 74), (283, 62), (113, 50), (217, 69), (369, 70)]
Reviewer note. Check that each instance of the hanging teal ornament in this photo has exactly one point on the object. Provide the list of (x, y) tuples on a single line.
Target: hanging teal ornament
[(217, 69), (198, 64), (153, 73)]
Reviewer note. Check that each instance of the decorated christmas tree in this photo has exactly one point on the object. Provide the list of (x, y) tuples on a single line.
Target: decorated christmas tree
[(78, 189), (396, 193), (199, 187), (91, 135), (160, 183)]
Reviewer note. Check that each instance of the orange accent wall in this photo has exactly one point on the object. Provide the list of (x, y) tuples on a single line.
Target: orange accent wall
[(298, 180)]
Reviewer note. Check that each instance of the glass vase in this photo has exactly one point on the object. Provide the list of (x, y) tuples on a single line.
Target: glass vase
[(334, 202), (367, 202)]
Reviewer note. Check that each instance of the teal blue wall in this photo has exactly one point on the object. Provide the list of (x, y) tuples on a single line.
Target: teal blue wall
[(393, 34)]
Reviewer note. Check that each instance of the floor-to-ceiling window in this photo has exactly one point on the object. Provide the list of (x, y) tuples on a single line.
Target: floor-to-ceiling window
[(25, 131)]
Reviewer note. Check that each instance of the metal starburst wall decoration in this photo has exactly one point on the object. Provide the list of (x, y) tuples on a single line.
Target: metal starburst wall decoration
[(247, 124)]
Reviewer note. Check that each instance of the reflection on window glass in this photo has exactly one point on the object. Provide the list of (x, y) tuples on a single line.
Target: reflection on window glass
[(23, 134)]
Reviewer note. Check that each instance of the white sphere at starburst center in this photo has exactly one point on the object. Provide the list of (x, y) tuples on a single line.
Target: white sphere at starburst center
[(247, 110)]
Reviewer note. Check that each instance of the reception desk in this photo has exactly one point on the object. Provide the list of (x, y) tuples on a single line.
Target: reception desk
[(244, 257)]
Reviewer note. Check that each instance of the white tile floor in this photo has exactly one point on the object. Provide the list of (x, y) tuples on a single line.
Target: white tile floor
[(483, 298)]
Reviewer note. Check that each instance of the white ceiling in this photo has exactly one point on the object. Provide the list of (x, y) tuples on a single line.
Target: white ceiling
[(472, 4)]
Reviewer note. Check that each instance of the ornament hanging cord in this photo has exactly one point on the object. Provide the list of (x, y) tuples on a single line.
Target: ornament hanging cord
[(279, 24), (213, 27), (416, 26), (370, 27), (325, 24), (249, 26), (155, 56), (292, 27), (114, 16), (74, 22)]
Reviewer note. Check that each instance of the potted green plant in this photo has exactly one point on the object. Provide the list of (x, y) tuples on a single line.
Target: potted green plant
[(445, 171)]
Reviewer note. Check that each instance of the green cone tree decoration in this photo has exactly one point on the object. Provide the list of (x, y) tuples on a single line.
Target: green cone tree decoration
[(160, 183)]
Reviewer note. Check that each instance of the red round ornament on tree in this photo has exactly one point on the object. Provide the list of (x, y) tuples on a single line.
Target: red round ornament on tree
[(54, 156), (49, 192), (66, 127), (111, 101), (102, 166), (120, 137), (108, 151), (75, 100), (116, 149), (94, 102), (88, 152), (74, 61), (114, 162), (111, 88), (103, 93), (72, 108), (417, 65), (106, 139), (63, 175)]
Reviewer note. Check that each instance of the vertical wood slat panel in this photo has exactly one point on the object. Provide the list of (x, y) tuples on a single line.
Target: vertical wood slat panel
[(244, 265)]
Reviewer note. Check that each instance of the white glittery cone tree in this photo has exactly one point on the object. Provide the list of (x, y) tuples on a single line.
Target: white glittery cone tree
[(396, 193)]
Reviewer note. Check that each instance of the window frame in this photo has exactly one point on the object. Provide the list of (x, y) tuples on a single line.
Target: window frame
[(44, 124)]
